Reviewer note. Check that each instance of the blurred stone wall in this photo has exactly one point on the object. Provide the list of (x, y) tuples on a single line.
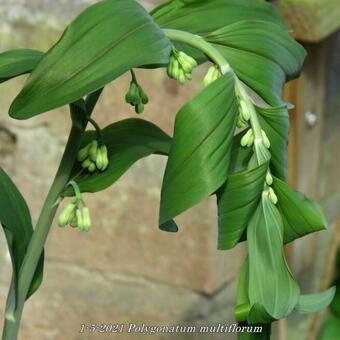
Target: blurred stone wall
[(125, 270)]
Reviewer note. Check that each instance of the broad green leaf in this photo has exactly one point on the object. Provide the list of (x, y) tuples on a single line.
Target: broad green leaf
[(200, 152), (330, 330), (300, 215), (275, 122), (242, 305), (127, 141), (213, 14), (250, 35), (102, 43), (16, 221), (14, 63), (236, 201), (312, 303), (262, 54), (273, 292)]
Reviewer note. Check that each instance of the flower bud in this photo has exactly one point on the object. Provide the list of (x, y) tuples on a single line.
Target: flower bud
[(105, 159), (93, 150), (272, 196), (86, 226), (139, 108), (269, 178), (144, 98), (86, 163), (181, 77), (83, 153), (79, 218), (266, 141), (99, 160), (248, 138), (92, 167), (67, 215), (244, 111)]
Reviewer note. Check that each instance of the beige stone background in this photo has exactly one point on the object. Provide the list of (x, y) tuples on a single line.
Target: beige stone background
[(125, 270)]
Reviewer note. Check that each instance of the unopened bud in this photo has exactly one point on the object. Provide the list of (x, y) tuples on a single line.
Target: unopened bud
[(67, 215), (248, 138), (266, 141), (269, 178), (93, 150), (83, 153), (272, 196)]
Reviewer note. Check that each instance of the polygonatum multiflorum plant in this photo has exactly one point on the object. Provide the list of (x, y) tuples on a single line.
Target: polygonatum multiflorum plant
[(224, 142)]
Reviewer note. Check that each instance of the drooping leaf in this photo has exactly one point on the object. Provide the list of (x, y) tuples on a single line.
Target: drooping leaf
[(275, 122), (300, 215), (103, 42), (200, 151), (312, 303), (260, 51), (236, 201), (16, 221), (273, 292), (127, 141), (14, 63)]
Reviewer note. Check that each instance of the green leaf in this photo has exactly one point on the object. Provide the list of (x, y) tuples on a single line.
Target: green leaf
[(200, 152), (330, 330), (312, 303), (16, 221), (17, 62), (263, 55), (300, 215), (236, 201), (275, 122), (127, 141), (273, 292), (170, 227), (250, 35), (102, 43)]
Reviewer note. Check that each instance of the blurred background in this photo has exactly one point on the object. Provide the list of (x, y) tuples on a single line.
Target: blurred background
[(126, 270)]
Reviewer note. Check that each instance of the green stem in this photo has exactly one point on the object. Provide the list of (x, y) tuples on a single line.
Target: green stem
[(198, 42), (98, 130), (214, 54), (36, 245)]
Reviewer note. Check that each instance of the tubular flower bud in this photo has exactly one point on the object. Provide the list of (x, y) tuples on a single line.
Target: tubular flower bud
[(266, 141), (244, 111), (86, 163), (83, 153), (67, 215), (248, 138), (93, 150), (86, 226), (99, 159), (92, 167), (79, 218), (269, 178), (105, 159), (272, 196), (136, 96), (212, 75)]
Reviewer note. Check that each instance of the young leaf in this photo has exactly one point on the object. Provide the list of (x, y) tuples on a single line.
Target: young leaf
[(312, 303), (300, 215), (275, 122), (16, 221), (103, 42), (127, 141), (273, 292), (17, 62), (200, 152), (236, 202)]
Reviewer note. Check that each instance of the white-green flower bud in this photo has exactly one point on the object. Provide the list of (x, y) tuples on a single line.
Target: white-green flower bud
[(67, 215), (269, 178), (79, 218), (99, 160), (93, 150), (272, 196), (86, 163), (181, 77), (176, 70), (244, 110), (186, 61), (248, 138), (83, 153), (266, 141), (105, 159), (86, 226), (212, 75), (92, 167)]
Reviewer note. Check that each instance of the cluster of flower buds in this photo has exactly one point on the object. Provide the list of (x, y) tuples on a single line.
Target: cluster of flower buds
[(244, 114), (136, 96), (75, 216), (93, 156), (212, 75), (270, 194), (248, 138), (181, 66)]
